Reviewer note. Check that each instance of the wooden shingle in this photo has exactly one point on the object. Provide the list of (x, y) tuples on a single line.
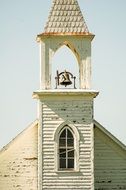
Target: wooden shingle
[(65, 17)]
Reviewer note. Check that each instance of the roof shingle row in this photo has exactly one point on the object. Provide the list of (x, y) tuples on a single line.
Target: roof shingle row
[(65, 16)]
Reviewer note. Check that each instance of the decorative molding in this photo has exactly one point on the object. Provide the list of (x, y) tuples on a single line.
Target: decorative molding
[(76, 143)]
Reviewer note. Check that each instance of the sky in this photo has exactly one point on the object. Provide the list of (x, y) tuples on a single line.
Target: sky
[(20, 22)]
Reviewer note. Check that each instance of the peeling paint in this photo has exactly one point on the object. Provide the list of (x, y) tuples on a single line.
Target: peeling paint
[(33, 158)]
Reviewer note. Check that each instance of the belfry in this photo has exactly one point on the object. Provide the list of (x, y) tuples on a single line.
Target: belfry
[(66, 114), (66, 26)]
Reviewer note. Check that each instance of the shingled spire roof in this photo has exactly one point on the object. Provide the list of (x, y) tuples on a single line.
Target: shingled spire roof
[(65, 17)]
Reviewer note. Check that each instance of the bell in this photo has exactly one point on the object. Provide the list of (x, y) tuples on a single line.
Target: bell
[(65, 79)]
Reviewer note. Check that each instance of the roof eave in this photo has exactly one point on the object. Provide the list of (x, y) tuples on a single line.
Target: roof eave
[(42, 36)]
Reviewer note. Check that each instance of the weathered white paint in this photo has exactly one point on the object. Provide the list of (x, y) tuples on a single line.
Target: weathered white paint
[(18, 161), (40, 134), (56, 108), (109, 162), (79, 45)]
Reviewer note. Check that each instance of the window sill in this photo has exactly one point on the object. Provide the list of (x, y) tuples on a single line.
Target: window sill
[(67, 171)]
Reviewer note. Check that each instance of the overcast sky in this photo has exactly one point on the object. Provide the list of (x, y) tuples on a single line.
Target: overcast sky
[(20, 22)]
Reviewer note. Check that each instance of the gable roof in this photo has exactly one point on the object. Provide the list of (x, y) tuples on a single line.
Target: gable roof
[(65, 17), (32, 125), (96, 124), (109, 135)]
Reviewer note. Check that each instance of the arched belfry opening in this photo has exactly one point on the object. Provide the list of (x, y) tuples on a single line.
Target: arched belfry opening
[(64, 59), (78, 46)]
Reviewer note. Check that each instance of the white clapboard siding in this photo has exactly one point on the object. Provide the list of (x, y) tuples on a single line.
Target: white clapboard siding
[(109, 163), (18, 161), (54, 113)]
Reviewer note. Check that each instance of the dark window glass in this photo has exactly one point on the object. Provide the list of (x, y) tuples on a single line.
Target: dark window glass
[(66, 149), (69, 134), (70, 163), (62, 163), (70, 142), (71, 153), (62, 142), (63, 134), (62, 153)]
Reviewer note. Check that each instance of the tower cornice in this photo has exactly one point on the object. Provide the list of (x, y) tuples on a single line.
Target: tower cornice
[(65, 92), (81, 34)]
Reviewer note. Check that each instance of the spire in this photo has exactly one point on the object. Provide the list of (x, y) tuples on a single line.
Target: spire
[(65, 17)]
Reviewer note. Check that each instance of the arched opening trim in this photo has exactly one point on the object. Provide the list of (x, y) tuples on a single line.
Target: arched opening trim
[(66, 140)]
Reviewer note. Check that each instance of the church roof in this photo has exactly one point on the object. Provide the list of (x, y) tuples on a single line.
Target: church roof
[(35, 125), (65, 17), (105, 131)]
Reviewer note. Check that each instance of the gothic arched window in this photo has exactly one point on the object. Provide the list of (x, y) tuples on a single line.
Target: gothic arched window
[(66, 150)]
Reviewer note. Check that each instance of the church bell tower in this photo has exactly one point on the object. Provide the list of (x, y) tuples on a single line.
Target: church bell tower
[(65, 134)]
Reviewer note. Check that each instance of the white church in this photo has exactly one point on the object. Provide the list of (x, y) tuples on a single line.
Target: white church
[(64, 148)]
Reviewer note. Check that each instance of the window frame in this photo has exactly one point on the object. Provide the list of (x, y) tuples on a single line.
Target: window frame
[(76, 137), (66, 147)]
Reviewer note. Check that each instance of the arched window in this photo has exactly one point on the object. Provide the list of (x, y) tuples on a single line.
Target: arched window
[(66, 149), (66, 139)]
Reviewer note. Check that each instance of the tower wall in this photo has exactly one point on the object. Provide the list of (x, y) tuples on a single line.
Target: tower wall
[(78, 110)]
